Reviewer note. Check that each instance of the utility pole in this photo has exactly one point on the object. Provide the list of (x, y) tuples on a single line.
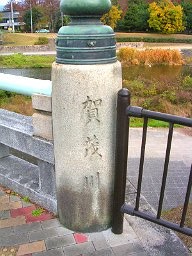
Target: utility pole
[(62, 18), (31, 17), (12, 18)]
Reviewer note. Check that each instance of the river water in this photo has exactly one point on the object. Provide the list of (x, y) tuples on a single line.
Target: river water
[(129, 73), (40, 73)]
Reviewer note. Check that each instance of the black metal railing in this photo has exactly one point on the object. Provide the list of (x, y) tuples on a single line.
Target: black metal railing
[(124, 112)]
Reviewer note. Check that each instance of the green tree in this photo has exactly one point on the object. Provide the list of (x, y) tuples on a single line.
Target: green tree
[(166, 17), (61, 20), (37, 15), (112, 17), (136, 16), (187, 10)]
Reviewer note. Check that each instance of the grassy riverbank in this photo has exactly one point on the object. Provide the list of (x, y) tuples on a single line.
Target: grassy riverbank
[(22, 39), (19, 60), (169, 94), (165, 95), (16, 39), (19, 103)]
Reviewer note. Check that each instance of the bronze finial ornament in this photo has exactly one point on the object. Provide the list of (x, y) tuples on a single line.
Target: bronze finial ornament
[(85, 40)]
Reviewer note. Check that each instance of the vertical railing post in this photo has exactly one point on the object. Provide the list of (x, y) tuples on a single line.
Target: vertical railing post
[(122, 130)]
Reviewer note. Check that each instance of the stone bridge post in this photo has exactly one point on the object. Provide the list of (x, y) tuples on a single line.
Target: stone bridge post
[(85, 77)]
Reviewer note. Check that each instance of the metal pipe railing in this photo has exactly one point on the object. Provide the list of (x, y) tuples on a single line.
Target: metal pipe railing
[(25, 85), (124, 112), (141, 112)]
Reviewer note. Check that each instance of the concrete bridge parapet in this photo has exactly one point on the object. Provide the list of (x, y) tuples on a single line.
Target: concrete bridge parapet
[(26, 161)]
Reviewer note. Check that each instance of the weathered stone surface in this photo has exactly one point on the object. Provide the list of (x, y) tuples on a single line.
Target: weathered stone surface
[(84, 114), (47, 178), (42, 126), (79, 249), (27, 48), (24, 179), (17, 132), (42, 102), (4, 150), (57, 242)]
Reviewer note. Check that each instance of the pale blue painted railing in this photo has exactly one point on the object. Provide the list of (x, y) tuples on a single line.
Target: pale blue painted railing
[(25, 85)]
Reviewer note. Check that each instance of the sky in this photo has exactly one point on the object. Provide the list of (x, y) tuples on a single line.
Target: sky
[(3, 2)]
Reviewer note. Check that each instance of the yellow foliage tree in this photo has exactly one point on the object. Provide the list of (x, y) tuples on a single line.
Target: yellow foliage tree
[(112, 17), (166, 17)]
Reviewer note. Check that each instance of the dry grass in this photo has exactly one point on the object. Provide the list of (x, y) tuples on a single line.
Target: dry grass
[(174, 215), (131, 56), (30, 38), (19, 104), (18, 39)]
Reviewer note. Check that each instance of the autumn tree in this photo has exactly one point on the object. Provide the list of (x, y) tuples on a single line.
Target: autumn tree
[(16, 6), (52, 13), (49, 9), (112, 17), (165, 17)]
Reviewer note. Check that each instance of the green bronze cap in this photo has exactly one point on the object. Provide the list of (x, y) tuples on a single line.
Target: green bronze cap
[(85, 40), (85, 7)]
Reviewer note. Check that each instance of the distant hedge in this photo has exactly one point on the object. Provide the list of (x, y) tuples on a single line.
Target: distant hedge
[(41, 40), (154, 40)]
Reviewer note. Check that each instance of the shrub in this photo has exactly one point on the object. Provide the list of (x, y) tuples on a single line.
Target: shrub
[(7, 94), (136, 86), (170, 96), (127, 54), (154, 40), (42, 40), (162, 95), (187, 83), (3, 94), (130, 56)]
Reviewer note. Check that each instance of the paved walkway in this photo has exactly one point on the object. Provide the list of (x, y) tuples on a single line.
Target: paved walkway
[(30, 53), (23, 233), (179, 167)]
